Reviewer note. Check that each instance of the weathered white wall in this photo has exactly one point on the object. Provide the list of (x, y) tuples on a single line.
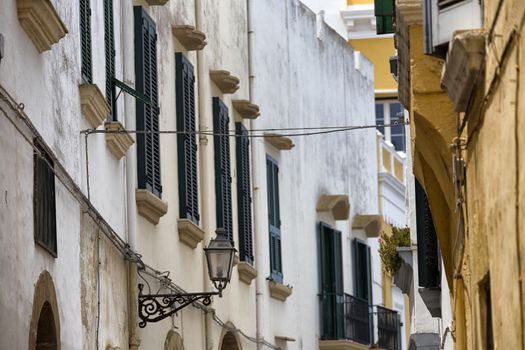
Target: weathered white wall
[(303, 81), (332, 13)]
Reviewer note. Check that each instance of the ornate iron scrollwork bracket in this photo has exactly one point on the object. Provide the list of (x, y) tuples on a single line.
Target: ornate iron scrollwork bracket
[(156, 307)]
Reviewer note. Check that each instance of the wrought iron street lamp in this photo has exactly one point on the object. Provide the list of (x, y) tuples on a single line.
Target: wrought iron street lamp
[(219, 255)]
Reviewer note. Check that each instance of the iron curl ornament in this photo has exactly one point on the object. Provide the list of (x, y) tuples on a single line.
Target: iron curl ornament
[(156, 307)]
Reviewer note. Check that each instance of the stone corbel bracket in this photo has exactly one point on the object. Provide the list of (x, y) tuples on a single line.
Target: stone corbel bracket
[(405, 275), (464, 60), (41, 23), (279, 291), (280, 142), (157, 2), (118, 139), (150, 206), (246, 272), (191, 38), (225, 81), (337, 204), (189, 233), (246, 109), (93, 104), (371, 224)]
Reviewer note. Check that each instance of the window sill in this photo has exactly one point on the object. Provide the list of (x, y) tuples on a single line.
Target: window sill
[(118, 140), (341, 344), (246, 109), (225, 81), (191, 38), (279, 291), (189, 233), (41, 23), (150, 206), (93, 104), (246, 272)]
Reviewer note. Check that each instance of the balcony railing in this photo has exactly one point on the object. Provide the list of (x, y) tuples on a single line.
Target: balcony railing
[(357, 319), (387, 328)]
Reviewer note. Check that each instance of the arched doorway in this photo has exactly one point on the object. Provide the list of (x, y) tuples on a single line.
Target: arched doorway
[(173, 341), (229, 342), (44, 333)]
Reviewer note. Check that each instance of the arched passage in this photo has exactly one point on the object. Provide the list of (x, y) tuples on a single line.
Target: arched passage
[(44, 333), (229, 342)]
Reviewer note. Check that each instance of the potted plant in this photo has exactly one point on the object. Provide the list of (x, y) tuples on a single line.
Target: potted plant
[(396, 255)]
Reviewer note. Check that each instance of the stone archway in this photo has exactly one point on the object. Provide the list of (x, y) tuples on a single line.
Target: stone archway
[(44, 331), (229, 342), (173, 341)]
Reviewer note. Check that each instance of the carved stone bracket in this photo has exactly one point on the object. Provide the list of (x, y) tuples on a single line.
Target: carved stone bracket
[(93, 104), (189, 233), (246, 109), (150, 206), (371, 224), (189, 37), (225, 81), (279, 291), (278, 141), (338, 205), (157, 2), (246, 272), (117, 139)]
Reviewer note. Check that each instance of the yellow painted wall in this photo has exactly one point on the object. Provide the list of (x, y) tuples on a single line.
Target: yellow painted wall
[(378, 50), (359, 2)]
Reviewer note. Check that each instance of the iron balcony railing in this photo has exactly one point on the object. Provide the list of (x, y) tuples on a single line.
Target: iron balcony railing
[(388, 328), (357, 319)]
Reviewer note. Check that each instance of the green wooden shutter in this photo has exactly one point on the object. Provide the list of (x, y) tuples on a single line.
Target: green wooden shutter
[(274, 219), (85, 42), (44, 206), (109, 51), (244, 199), (187, 142), (384, 12), (148, 144), (362, 278), (427, 245), (223, 194)]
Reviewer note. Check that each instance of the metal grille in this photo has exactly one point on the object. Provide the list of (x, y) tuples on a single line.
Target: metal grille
[(387, 328), (357, 319)]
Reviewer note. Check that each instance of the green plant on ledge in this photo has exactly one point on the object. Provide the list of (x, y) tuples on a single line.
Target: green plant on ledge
[(388, 245)]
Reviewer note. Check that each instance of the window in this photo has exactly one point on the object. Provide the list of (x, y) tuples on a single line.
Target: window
[(274, 219), (44, 206), (187, 142), (486, 314), (427, 245), (148, 144), (223, 192), (389, 112), (362, 270), (85, 42), (331, 273), (384, 12), (244, 198), (109, 51)]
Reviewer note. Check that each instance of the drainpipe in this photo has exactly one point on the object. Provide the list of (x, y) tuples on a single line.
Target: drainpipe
[(203, 173), (129, 114), (259, 280)]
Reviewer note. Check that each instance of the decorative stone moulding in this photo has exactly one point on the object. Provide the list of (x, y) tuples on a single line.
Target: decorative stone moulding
[(404, 276), (117, 139), (41, 23), (150, 206), (342, 344), (93, 104), (246, 272), (189, 37), (279, 291), (371, 224), (465, 55), (280, 142), (189, 233), (156, 2), (246, 109), (338, 205), (225, 81)]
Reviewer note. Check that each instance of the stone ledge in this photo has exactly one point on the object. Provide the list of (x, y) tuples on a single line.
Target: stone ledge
[(189, 37), (150, 206), (117, 139), (189, 233), (93, 104), (464, 60), (246, 272), (41, 23), (278, 141), (156, 2), (341, 344), (279, 291), (338, 205), (246, 109), (225, 81), (371, 224)]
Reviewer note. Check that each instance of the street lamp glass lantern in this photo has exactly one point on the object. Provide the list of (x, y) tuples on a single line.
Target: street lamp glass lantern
[(219, 255)]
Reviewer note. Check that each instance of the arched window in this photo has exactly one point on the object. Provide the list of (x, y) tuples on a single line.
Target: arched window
[(229, 342), (173, 341), (44, 333), (46, 336)]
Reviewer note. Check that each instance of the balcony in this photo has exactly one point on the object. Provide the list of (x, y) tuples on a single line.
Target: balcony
[(351, 323)]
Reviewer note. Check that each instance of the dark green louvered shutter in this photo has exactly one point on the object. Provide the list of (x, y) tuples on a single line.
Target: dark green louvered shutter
[(244, 198), (362, 270), (332, 290), (44, 206), (223, 192), (187, 142), (148, 144), (85, 42), (109, 51), (274, 219), (384, 12), (427, 246)]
